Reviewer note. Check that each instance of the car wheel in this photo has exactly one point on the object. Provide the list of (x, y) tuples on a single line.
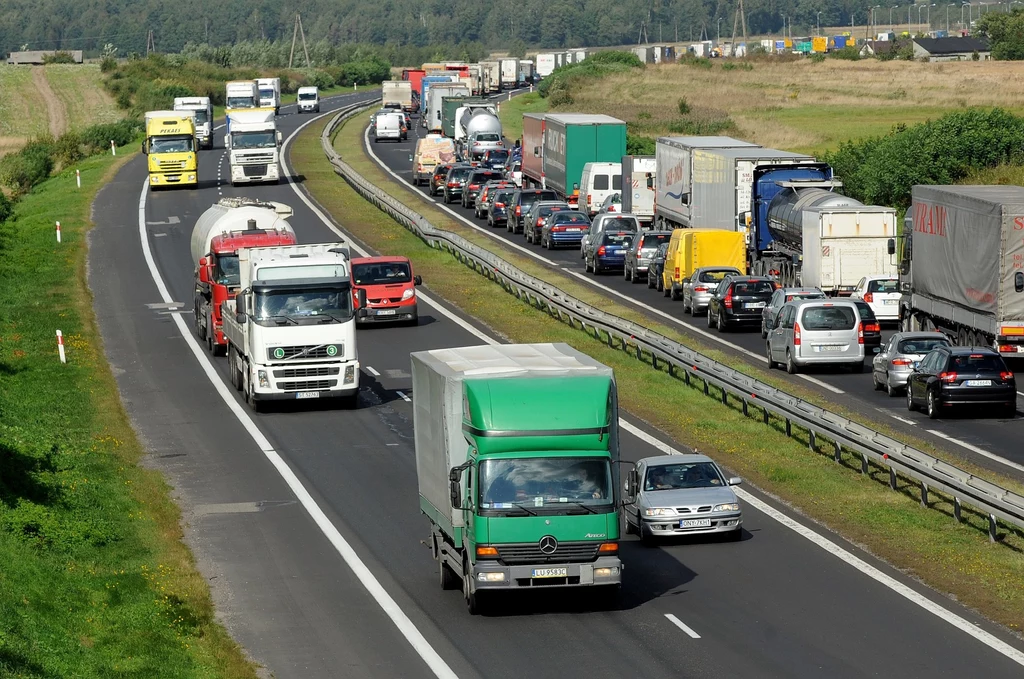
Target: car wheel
[(686, 307), (875, 384), (661, 285), (889, 389), (910, 399), (550, 246), (932, 406), (646, 537), (768, 353), (722, 323), (764, 331), (676, 293), (627, 274), (711, 323), (586, 265), (650, 284), (791, 367)]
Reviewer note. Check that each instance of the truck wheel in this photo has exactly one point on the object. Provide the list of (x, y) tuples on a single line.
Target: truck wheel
[(250, 396), (448, 578), (473, 599), (608, 597), (232, 368)]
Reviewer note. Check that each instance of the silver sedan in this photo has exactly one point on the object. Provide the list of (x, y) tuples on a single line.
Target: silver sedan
[(673, 495), (893, 364)]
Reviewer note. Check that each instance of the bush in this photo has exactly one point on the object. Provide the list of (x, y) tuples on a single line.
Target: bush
[(848, 53), (58, 57), (6, 208), (20, 171), (108, 64), (321, 79), (639, 145), (683, 106), (817, 58), (571, 76)]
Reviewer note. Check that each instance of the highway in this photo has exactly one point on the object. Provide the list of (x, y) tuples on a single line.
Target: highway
[(306, 521), (988, 441)]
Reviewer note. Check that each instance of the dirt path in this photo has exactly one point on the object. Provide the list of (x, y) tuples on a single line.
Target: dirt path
[(55, 110)]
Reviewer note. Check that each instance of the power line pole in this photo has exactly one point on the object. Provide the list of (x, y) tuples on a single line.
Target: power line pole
[(296, 32), (150, 44)]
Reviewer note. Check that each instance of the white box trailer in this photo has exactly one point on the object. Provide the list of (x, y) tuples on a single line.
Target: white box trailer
[(545, 65), (396, 94), (509, 73), (638, 187), (492, 74)]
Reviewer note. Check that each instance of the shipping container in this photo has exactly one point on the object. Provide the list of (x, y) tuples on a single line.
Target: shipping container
[(571, 140), (533, 149)]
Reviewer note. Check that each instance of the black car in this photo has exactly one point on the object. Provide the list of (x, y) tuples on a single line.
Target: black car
[(476, 182), (657, 265), (437, 179), (870, 327), (497, 210), (962, 376), (521, 202), (456, 181), (739, 300)]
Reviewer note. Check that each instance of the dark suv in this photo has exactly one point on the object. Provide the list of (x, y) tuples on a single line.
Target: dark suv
[(962, 376), (520, 206), (455, 182), (739, 300), (871, 328), (476, 182)]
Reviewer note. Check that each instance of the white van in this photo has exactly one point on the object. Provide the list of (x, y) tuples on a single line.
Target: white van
[(308, 100), (388, 126), (599, 181)]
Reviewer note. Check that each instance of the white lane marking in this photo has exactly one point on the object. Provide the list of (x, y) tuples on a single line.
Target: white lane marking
[(935, 609), (682, 625), (371, 370), (404, 397), (896, 417), (867, 569), (390, 607), (453, 213), (976, 449)]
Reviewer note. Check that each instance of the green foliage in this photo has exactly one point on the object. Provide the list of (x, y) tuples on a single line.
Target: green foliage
[(20, 171), (639, 145), (6, 209), (563, 80), (882, 170), (683, 106), (848, 53), (1005, 33), (108, 64), (58, 57), (817, 58), (700, 126), (904, 51), (321, 79)]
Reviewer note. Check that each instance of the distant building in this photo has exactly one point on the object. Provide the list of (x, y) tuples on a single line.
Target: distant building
[(952, 49), (37, 56)]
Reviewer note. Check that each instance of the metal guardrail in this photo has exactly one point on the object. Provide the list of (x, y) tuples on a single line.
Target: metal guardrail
[(842, 434)]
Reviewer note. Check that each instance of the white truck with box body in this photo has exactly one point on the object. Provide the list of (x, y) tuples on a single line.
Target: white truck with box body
[(253, 142), (545, 64), (203, 111), (291, 330), (307, 99), (493, 77), (525, 72), (396, 94), (270, 93), (638, 181), (509, 73), (438, 92)]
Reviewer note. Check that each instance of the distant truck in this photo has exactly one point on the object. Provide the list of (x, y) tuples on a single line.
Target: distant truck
[(533, 150), (270, 93), (170, 149), (291, 330), (307, 99), (638, 181), (240, 95), (202, 110), (545, 65), (571, 140), (492, 75), (509, 73), (449, 105), (415, 78), (396, 94), (431, 151), (253, 141), (525, 72), (474, 116), (227, 226), (517, 453), (427, 82), (962, 265)]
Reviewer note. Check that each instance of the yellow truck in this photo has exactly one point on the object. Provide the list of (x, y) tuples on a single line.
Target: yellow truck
[(690, 249), (170, 147)]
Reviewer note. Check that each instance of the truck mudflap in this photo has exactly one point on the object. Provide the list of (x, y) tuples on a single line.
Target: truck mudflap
[(606, 570)]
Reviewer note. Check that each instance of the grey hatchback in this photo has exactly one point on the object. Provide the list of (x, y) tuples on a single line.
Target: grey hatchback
[(640, 253)]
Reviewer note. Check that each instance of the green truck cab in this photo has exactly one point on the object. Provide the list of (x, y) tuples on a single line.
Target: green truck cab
[(517, 463)]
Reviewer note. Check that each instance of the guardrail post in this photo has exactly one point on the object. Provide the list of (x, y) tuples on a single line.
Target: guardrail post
[(765, 414), (789, 427), (707, 388), (993, 528), (863, 463), (745, 412), (892, 478), (654, 360), (957, 510), (812, 439), (837, 453), (725, 397), (924, 495)]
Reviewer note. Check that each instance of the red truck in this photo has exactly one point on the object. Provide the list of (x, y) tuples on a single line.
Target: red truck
[(390, 287), (533, 150), (228, 225), (415, 76)]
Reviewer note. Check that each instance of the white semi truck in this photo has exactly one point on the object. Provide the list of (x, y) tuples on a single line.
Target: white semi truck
[(291, 330), (203, 111), (270, 93), (253, 141)]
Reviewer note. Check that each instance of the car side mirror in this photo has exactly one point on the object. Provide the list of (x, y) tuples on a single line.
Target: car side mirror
[(735, 481), (240, 317), (891, 246), (279, 138), (417, 280), (631, 484)]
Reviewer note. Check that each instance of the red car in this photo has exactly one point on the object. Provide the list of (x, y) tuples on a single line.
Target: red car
[(390, 289)]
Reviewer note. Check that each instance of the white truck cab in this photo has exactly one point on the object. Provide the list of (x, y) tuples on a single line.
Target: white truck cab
[(203, 110), (253, 141), (308, 100)]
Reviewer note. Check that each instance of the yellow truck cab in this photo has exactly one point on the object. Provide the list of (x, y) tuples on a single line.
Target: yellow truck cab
[(170, 147)]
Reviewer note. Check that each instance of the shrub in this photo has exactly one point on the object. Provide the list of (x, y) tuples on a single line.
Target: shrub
[(58, 57), (108, 64), (321, 79), (817, 58), (639, 145), (20, 171), (6, 207), (683, 106), (848, 53)]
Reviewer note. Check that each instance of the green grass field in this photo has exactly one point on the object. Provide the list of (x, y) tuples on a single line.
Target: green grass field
[(80, 89), (22, 109), (511, 114), (953, 558), (94, 579)]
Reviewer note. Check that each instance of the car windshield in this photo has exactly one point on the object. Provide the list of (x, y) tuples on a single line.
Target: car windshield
[(544, 482), (617, 238), (651, 240), (920, 346), (981, 363), (569, 217), (885, 285), (280, 305), (459, 174), (804, 295), (225, 270), (683, 475), (201, 116), (482, 177), (176, 144), (502, 197), (253, 140), (752, 288), (380, 273), (619, 224), (487, 136), (442, 170), (715, 276), (828, 318)]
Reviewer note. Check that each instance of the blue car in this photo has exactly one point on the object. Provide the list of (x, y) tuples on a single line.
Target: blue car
[(564, 229), (610, 253)]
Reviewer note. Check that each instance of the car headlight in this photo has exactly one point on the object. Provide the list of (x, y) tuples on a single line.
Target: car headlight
[(660, 511), (408, 294), (728, 507)]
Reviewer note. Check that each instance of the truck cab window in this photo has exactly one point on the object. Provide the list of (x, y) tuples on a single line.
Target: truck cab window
[(225, 270)]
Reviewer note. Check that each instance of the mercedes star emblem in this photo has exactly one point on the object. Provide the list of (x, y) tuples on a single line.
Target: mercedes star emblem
[(548, 544)]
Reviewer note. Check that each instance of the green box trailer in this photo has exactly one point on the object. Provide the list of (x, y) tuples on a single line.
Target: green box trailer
[(571, 140), (449, 105), (517, 452)]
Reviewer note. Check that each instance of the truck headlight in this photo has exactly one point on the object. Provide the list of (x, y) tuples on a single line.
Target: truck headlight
[(191, 177), (660, 511), (728, 507), (490, 577), (411, 292), (605, 572), (350, 374), (154, 179), (264, 381)]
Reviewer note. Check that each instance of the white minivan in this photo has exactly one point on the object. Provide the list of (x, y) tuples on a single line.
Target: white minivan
[(599, 181), (308, 100), (388, 126), (814, 332)]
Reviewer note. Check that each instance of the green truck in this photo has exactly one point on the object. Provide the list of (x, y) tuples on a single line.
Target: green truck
[(449, 105), (571, 140), (517, 452)]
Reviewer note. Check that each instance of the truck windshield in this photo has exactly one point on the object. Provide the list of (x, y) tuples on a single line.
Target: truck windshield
[(225, 270), (241, 102), (266, 94), (171, 144), (201, 116), (253, 140), (330, 304), (544, 482)]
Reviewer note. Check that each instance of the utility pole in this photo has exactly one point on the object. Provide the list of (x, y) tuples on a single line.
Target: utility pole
[(296, 32), (206, 26), (150, 44), (740, 16)]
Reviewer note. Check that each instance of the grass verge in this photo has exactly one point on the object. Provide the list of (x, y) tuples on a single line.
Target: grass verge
[(95, 580), (511, 114), (80, 89), (928, 544), (22, 109)]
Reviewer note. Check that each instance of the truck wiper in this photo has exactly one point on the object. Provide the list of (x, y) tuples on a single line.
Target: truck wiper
[(519, 505), (286, 319), (332, 317), (591, 510)]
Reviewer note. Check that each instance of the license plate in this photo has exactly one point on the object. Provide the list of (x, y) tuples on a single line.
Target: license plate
[(695, 523), (978, 383), (386, 312), (754, 305), (574, 230), (829, 347), (550, 572), (307, 394), (890, 301)]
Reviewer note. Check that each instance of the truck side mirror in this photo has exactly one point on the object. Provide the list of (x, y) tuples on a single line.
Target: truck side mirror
[(418, 280), (204, 270), (891, 246), (240, 317), (145, 147), (279, 138), (227, 141), (455, 486)]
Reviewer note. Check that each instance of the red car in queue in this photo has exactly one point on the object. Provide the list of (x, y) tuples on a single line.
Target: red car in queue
[(390, 287)]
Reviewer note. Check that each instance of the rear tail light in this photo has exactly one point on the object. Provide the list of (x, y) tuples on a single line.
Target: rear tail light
[(559, 229), (872, 327), (700, 288), (796, 334), (519, 210), (452, 185), (677, 273), (540, 221), (474, 186), (1006, 376), (947, 377), (869, 298), (588, 199), (860, 333), (499, 205), (600, 251), (901, 361), (728, 299)]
